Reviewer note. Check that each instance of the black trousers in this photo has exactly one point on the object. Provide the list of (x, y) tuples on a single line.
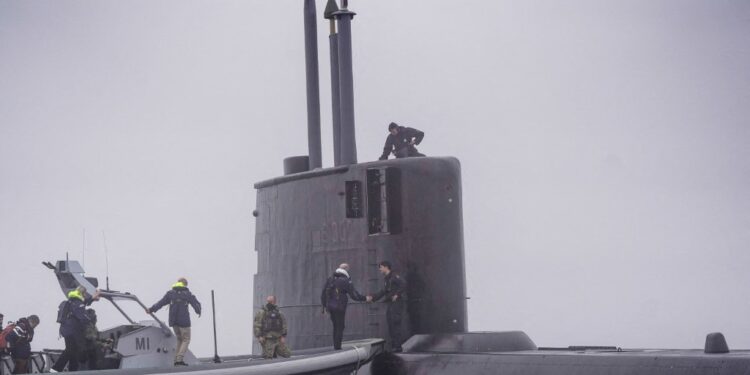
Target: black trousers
[(20, 365), (337, 318), (89, 356), (407, 152), (394, 315), (20, 355), (70, 355)]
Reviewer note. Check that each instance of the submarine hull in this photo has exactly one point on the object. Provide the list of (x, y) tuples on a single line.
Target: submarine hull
[(513, 352)]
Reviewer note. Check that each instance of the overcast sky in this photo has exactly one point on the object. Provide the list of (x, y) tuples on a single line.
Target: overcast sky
[(605, 148)]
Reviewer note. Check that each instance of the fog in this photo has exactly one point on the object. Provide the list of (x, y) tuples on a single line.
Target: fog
[(604, 151)]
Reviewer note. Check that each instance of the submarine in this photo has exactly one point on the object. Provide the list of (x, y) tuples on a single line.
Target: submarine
[(406, 211)]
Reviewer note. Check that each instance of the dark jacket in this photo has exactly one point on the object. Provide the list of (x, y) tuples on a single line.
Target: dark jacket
[(20, 339), (75, 319), (178, 299), (394, 285), (396, 142), (336, 293)]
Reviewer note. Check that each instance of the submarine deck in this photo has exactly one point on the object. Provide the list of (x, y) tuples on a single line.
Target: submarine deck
[(310, 361)]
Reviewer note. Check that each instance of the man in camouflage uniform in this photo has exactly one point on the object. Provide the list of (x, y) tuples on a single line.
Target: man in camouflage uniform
[(92, 348), (270, 330)]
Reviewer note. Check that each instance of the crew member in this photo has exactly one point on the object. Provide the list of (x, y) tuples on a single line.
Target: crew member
[(19, 340), (91, 348), (393, 291), (73, 319), (178, 298), (335, 298), (270, 330), (401, 142)]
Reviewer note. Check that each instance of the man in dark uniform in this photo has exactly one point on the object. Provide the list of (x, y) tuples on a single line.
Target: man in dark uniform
[(393, 291), (20, 343), (73, 319), (178, 298), (335, 298), (401, 142)]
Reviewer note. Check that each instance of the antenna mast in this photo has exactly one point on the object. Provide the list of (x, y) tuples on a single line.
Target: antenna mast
[(348, 147), (313, 90), (83, 251), (106, 259), (217, 359)]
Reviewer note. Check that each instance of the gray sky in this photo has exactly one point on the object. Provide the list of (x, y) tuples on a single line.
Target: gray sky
[(604, 145)]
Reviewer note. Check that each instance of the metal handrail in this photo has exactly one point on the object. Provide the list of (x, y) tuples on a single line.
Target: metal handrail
[(110, 296)]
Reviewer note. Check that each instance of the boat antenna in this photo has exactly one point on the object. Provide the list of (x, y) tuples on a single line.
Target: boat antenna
[(213, 308), (83, 250), (106, 259)]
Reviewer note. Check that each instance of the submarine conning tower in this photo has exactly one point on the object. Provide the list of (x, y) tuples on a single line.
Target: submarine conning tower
[(311, 219), (407, 211)]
